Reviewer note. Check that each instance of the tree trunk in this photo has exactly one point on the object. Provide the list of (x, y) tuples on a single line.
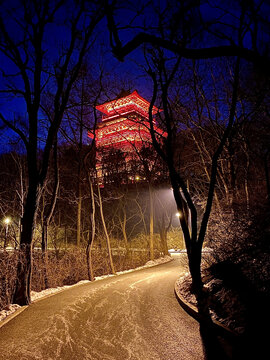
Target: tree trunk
[(22, 290), (89, 263), (233, 190), (151, 222), (79, 211), (194, 260), (47, 215), (44, 249), (204, 162), (267, 177), (90, 242), (163, 238), (163, 230), (247, 176), (79, 185), (106, 232), (222, 177)]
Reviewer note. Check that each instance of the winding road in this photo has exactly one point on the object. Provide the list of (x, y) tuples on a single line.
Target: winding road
[(134, 316)]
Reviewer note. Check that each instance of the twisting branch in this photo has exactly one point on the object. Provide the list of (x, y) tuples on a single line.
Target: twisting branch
[(179, 47), (16, 130)]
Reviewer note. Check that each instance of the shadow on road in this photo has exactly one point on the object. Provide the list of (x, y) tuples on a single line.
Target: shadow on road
[(218, 344), (215, 346)]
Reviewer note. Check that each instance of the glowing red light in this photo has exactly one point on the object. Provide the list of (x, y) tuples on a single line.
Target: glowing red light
[(125, 123)]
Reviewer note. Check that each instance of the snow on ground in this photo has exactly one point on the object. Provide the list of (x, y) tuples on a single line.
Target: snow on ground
[(10, 309), (226, 300)]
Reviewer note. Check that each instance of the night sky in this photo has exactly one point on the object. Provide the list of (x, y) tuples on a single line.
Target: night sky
[(127, 74)]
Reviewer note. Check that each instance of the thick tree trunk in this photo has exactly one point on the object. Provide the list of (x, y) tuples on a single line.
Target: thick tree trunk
[(163, 238), (194, 260), (165, 245), (192, 245), (22, 290), (163, 230), (22, 295)]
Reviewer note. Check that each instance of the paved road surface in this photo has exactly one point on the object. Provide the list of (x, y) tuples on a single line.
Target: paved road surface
[(128, 317)]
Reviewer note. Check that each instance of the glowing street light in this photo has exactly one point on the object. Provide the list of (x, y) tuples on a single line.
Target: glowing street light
[(7, 221), (178, 214)]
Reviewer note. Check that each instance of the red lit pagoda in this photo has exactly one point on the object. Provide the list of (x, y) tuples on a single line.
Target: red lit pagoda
[(124, 126)]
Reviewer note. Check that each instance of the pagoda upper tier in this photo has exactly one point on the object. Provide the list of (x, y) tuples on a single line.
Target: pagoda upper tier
[(131, 103), (125, 123)]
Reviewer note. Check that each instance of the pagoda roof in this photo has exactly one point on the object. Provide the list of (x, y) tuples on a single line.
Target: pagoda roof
[(126, 104)]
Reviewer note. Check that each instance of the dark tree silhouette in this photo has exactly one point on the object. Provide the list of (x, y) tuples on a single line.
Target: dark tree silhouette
[(181, 38), (39, 69)]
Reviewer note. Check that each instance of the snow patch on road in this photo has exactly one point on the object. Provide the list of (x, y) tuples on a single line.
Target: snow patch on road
[(10, 309), (36, 295)]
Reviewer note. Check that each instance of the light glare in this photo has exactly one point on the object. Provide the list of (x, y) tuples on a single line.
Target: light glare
[(7, 220)]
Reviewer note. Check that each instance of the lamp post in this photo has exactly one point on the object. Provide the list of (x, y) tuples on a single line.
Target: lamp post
[(7, 221)]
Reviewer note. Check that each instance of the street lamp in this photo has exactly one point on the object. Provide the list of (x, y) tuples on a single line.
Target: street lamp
[(7, 221)]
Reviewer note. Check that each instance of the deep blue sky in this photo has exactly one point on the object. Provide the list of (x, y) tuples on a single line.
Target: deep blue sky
[(120, 74)]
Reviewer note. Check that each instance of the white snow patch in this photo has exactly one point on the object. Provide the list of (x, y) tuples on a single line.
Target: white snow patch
[(35, 295), (10, 309), (40, 294)]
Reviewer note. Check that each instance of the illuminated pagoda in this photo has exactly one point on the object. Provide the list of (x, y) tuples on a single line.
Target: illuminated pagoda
[(124, 128)]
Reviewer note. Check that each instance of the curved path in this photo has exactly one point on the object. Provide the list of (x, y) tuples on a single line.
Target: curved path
[(134, 316)]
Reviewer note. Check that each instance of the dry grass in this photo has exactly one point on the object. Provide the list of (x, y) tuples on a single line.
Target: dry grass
[(8, 277), (63, 268)]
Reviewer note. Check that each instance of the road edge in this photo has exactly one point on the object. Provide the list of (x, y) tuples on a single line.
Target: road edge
[(13, 315)]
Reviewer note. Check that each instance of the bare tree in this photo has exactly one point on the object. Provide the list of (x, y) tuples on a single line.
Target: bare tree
[(33, 75), (193, 238), (182, 38), (76, 122), (179, 27)]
